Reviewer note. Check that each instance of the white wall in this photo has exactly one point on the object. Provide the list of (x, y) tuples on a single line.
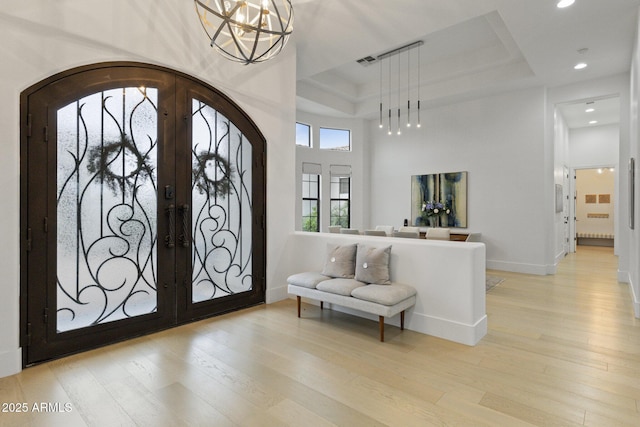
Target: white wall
[(595, 146), (355, 158), (593, 182), (40, 38), (500, 141), (560, 165), (617, 85), (632, 151)]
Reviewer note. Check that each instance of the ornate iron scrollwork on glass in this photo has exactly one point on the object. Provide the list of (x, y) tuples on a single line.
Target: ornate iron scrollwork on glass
[(221, 206), (106, 207)]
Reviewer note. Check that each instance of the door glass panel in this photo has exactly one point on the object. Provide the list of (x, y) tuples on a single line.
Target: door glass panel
[(107, 207), (222, 207)]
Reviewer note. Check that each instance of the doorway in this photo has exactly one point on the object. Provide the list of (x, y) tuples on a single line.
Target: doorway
[(587, 136), (595, 206), (142, 207)]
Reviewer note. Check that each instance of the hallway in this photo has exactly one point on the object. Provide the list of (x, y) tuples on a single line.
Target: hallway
[(561, 350)]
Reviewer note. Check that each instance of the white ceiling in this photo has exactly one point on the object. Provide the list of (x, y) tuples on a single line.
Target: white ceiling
[(606, 111), (471, 48)]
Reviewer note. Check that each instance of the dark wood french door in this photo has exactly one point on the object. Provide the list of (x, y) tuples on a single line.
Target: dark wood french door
[(142, 207)]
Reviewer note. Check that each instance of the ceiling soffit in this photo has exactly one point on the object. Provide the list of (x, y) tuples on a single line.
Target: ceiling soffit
[(470, 56)]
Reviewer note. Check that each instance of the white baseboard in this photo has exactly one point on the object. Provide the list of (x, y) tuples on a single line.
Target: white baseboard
[(10, 362), (449, 330), (277, 294), (429, 325), (540, 270), (553, 269), (635, 298), (624, 277)]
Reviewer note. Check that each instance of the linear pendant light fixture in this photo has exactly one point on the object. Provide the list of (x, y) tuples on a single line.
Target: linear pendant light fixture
[(393, 55), (246, 31)]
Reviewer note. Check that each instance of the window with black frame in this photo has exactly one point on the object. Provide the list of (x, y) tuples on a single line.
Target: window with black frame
[(310, 202), (340, 203)]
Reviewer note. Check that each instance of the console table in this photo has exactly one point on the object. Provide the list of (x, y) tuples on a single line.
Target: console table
[(458, 236)]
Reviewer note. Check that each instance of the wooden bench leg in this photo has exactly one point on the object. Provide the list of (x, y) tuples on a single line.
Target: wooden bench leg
[(402, 320), (321, 305), (298, 298), (381, 322)]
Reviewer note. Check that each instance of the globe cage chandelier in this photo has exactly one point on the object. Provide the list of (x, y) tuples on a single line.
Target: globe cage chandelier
[(246, 31)]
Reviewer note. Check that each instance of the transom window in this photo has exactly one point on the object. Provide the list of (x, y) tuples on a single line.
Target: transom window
[(335, 139), (303, 135)]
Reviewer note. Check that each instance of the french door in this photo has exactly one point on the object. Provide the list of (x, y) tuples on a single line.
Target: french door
[(142, 207)]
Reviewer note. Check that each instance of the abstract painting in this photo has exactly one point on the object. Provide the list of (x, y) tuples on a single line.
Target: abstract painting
[(448, 189)]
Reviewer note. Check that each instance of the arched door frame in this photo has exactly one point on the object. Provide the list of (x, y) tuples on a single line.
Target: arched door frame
[(76, 83)]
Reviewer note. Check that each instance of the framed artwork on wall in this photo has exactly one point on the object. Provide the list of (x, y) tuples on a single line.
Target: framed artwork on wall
[(442, 192), (604, 198), (559, 204)]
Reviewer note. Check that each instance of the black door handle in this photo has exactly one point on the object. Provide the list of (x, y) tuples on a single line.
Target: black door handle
[(184, 237), (168, 239)]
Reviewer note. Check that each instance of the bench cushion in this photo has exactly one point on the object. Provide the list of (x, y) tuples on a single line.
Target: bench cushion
[(308, 279), (384, 294), (339, 286)]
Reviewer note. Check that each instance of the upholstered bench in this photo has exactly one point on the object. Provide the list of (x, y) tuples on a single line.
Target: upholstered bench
[(595, 239), (360, 282)]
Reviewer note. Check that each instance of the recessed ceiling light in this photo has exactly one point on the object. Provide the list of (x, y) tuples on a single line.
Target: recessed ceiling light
[(565, 3), (593, 122), (589, 110), (580, 66)]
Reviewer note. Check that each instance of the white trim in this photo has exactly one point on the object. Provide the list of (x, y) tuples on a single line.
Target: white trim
[(340, 170), (514, 267), (559, 258), (10, 363), (311, 168), (276, 294), (624, 276), (635, 299), (448, 329), (430, 325)]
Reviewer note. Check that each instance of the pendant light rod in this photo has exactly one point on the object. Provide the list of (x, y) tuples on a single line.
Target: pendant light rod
[(418, 124), (400, 49), (399, 74), (380, 95), (408, 88)]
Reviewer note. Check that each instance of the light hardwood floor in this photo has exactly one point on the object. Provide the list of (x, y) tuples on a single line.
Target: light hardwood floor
[(561, 350)]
